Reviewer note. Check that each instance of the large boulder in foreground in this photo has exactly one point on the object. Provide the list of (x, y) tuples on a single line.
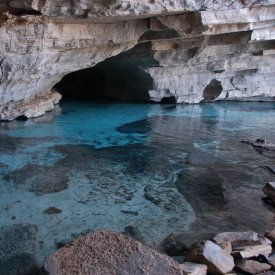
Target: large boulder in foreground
[(218, 261), (104, 252)]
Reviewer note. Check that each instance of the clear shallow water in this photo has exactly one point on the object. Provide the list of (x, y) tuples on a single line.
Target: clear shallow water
[(158, 168)]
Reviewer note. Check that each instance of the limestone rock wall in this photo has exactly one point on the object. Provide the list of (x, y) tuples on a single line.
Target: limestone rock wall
[(205, 49)]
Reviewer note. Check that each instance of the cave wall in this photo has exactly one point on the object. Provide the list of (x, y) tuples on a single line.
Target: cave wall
[(191, 44)]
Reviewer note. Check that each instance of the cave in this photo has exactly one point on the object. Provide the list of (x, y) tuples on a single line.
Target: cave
[(119, 78), (212, 90)]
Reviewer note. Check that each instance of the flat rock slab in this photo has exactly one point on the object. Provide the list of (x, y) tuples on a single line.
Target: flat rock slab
[(253, 251), (193, 269), (252, 267), (104, 252), (217, 260), (245, 244)]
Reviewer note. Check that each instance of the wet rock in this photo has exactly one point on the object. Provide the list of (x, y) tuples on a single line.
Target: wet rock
[(212, 255), (166, 198), (134, 213), (260, 144), (252, 267), (271, 169), (17, 246), (174, 246), (136, 127), (105, 252), (52, 210), (133, 232), (193, 269), (269, 190)]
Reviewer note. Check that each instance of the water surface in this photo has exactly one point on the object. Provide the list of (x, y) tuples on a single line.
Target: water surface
[(148, 169)]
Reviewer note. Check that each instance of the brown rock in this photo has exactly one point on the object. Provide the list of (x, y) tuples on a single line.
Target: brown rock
[(269, 190), (104, 252), (212, 255), (271, 235), (252, 267), (174, 246)]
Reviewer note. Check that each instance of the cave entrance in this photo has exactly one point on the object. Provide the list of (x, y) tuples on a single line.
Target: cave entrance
[(120, 78), (212, 90)]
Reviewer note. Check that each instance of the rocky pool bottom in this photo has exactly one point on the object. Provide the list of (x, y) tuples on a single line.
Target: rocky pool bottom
[(148, 170)]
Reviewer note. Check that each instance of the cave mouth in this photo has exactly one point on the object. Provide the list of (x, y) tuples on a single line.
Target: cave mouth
[(212, 90), (119, 78)]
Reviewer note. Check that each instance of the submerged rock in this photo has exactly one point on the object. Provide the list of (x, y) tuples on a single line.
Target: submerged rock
[(166, 198), (260, 144), (174, 246), (17, 249), (52, 210), (104, 252), (269, 190), (252, 267), (206, 252)]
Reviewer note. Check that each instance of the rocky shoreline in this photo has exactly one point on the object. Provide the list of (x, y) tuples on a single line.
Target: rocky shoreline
[(105, 252)]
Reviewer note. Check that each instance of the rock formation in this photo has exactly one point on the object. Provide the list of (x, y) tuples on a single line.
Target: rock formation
[(187, 51), (104, 252)]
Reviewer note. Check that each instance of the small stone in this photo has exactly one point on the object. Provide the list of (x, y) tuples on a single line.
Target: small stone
[(269, 190), (271, 169), (271, 261), (174, 246), (233, 237), (52, 210), (212, 255), (193, 269), (252, 267), (271, 235)]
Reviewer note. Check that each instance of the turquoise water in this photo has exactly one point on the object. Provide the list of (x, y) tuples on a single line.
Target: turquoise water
[(156, 169)]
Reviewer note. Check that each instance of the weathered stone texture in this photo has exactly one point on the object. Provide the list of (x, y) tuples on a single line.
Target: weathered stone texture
[(105, 252), (196, 43)]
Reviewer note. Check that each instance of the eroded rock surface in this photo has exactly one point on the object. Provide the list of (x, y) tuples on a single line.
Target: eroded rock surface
[(200, 50), (217, 260), (105, 252)]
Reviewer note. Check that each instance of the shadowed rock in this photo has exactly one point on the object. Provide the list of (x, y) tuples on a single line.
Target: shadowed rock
[(17, 245), (252, 267), (105, 252), (269, 190), (174, 246)]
